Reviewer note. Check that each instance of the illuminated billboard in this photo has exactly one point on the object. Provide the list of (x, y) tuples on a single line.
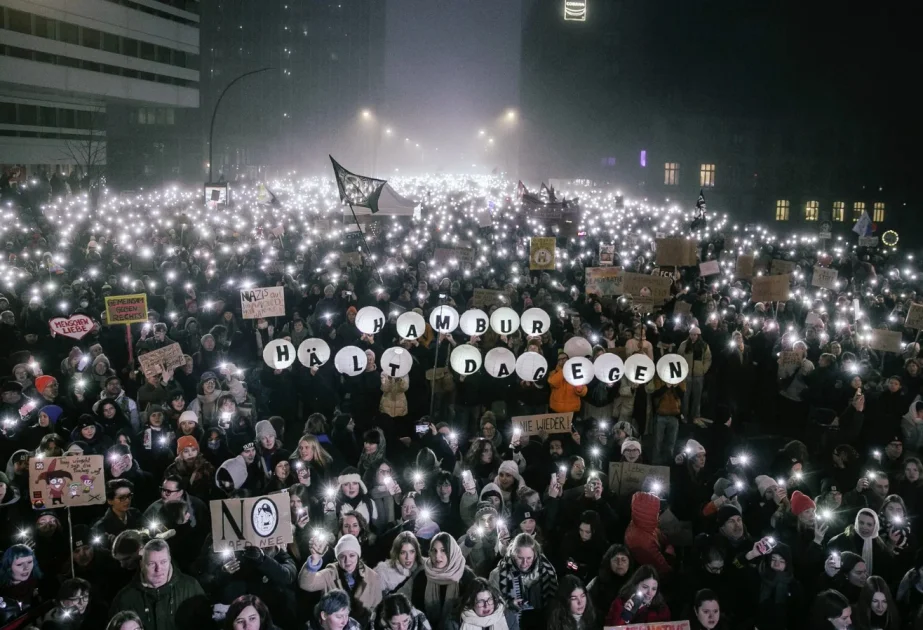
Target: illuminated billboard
[(575, 10)]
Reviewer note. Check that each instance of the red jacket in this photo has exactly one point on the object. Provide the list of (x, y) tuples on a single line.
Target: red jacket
[(643, 536), (645, 615)]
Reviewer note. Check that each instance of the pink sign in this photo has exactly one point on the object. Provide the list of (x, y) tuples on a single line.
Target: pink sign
[(76, 327)]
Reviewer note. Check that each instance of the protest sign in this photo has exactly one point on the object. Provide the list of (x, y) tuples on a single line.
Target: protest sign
[(266, 302), (676, 252), (444, 255), (350, 258), (682, 308), (541, 253), (603, 281), (868, 241), (606, 255), (780, 267), (771, 288), (789, 357), (484, 298), (69, 481), (626, 478), (166, 358), (885, 340), (659, 625), (547, 422), (824, 278), (126, 309), (74, 327), (745, 266), (263, 522), (709, 268), (659, 286), (914, 316)]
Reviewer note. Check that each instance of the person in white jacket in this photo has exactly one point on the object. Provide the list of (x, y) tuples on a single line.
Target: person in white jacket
[(405, 561)]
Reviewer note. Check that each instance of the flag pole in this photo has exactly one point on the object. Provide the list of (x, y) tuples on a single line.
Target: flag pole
[(364, 242)]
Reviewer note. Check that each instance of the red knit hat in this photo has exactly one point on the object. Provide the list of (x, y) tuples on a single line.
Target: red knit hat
[(801, 502), (187, 441), (42, 382)]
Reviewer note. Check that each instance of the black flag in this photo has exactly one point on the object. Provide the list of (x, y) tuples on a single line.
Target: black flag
[(700, 204), (357, 190)]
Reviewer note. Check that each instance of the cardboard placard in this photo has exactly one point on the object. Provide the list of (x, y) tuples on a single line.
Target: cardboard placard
[(709, 268), (868, 241), (682, 308), (444, 255), (626, 478), (744, 266), (771, 288), (69, 481), (632, 283), (262, 522), (779, 267), (606, 255), (824, 278), (166, 358), (74, 327), (660, 625), (676, 252), (265, 302), (126, 309), (547, 422), (350, 258), (485, 298), (914, 316), (542, 252), (789, 357), (603, 281), (885, 340)]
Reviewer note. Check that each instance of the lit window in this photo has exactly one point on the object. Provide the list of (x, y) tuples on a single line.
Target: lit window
[(811, 210), (839, 210), (857, 209), (643, 158), (782, 210), (671, 173), (878, 212), (707, 175)]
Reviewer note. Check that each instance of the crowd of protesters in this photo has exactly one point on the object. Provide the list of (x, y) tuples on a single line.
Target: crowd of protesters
[(794, 494)]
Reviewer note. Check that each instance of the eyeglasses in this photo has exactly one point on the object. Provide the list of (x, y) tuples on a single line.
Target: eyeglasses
[(124, 497), (168, 490), (79, 598), (484, 602)]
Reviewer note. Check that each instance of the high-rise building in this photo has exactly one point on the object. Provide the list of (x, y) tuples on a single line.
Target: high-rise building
[(71, 73)]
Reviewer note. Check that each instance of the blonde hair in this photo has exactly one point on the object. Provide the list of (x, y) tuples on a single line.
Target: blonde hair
[(321, 456)]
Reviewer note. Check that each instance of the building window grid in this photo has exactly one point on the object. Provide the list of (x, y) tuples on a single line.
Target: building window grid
[(782, 208), (878, 211), (857, 209), (671, 174), (707, 175), (811, 210), (839, 210)]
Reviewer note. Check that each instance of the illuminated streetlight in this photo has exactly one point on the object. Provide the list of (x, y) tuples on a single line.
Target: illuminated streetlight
[(387, 131), (366, 114), (511, 115), (490, 141), (481, 133)]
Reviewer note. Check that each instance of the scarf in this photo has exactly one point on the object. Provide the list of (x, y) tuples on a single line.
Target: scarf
[(510, 579), (496, 620), (868, 544), (774, 585), (449, 577)]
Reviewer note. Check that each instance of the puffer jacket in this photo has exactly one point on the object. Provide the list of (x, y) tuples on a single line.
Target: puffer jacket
[(564, 396), (393, 399), (177, 605), (688, 351), (643, 536)]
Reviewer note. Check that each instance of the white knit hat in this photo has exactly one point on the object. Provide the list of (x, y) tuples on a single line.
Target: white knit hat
[(347, 542), (764, 483), (628, 443), (189, 416), (693, 448), (264, 427), (512, 468), (695, 330)]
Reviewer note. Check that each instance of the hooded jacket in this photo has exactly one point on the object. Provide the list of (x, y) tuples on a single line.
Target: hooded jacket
[(643, 536), (912, 431), (177, 605), (564, 396), (127, 405), (469, 502)]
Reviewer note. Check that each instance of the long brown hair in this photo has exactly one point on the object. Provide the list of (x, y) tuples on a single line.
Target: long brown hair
[(862, 615)]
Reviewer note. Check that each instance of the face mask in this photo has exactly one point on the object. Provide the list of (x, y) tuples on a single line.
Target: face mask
[(84, 304), (214, 444)]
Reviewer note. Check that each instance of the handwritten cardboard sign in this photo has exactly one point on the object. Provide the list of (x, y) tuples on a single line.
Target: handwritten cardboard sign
[(914, 316), (885, 340), (779, 267), (75, 327), (547, 422), (682, 307), (266, 302), (126, 309), (485, 298), (166, 358), (626, 478), (676, 252), (603, 281), (606, 254), (541, 253), (69, 481), (262, 522), (659, 286), (789, 357), (824, 278), (745, 266), (350, 258), (709, 268), (660, 625), (444, 255), (771, 288)]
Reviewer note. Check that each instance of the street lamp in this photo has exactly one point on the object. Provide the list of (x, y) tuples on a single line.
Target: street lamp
[(387, 131), (481, 133), (211, 129), (511, 115), (366, 114)]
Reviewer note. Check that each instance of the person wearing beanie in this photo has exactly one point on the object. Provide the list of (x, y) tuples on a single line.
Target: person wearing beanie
[(232, 475), (266, 445), (47, 387), (349, 574), (482, 545), (781, 599), (347, 332), (353, 496), (631, 451), (44, 423), (690, 486), (509, 481), (205, 404), (120, 464), (698, 357), (769, 509), (564, 396), (192, 467), (154, 445), (525, 520)]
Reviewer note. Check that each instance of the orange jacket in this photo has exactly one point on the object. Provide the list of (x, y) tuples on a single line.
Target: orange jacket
[(564, 396), (643, 536)]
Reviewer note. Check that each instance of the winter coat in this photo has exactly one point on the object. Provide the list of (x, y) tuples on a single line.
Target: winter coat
[(697, 355), (912, 431), (197, 476), (564, 396), (643, 536), (646, 614), (393, 399), (396, 579), (177, 605), (365, 596)]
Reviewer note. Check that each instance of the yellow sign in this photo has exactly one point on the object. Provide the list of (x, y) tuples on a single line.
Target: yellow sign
[(126, 309), (541, 252)]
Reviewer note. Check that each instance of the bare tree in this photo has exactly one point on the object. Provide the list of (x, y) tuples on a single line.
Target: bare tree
[(89, 153)]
